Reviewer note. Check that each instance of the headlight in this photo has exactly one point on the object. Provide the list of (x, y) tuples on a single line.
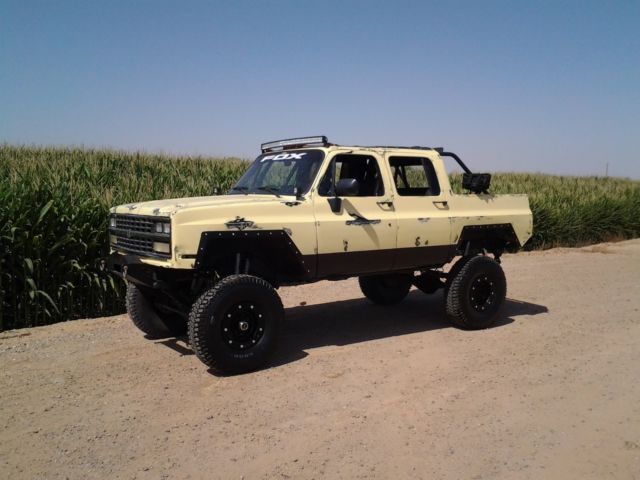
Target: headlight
[(112, 222), (163, 227)]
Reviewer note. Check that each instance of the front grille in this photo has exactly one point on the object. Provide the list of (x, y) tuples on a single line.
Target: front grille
[(134, 245), (136, 234), (136, 223)]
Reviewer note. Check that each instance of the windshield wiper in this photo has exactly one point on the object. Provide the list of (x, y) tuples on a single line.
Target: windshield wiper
[(270, 189), (241, 189)]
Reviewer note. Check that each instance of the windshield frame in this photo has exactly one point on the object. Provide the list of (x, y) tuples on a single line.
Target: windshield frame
[(252, 181)]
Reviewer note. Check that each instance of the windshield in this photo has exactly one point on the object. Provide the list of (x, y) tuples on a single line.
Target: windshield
[(281, 173)]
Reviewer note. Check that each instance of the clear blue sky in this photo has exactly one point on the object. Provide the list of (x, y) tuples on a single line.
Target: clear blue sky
[(514, 85)]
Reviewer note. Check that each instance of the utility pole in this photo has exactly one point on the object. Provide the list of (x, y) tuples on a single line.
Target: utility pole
[(606, 170)]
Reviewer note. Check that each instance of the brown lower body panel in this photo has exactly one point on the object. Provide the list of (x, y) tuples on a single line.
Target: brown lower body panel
[(378, 261)]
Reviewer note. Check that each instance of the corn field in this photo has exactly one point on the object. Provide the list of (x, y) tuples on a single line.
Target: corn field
[(54, 204)]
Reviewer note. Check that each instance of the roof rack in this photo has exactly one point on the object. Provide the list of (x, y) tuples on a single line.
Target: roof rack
[(321, 140), (290, 143), (440, 151), (416, 147)]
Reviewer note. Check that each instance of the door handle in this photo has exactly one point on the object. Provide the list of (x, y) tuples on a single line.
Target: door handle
[(444, 203), (360, 220), (388, 203)]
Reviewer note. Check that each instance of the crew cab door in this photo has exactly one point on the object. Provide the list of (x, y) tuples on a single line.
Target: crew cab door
[(359, 237), (422, 209)]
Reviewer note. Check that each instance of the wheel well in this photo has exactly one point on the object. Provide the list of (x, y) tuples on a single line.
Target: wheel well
[(269, 254), (235, 263), (494, 238)]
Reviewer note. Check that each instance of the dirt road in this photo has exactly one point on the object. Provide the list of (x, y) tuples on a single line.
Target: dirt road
[(356, 391)]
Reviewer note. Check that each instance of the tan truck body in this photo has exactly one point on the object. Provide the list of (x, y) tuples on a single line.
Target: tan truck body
[(209, 266), (418, 223)]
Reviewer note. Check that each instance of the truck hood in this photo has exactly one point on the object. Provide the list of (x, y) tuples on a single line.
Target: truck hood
[(171, 206)]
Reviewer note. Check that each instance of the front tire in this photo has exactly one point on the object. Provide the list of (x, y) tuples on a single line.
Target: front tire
[(386, 289), (476, 293), (144, 316), (233, 327)]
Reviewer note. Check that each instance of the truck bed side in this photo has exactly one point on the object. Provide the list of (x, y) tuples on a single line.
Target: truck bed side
[(490, 213)]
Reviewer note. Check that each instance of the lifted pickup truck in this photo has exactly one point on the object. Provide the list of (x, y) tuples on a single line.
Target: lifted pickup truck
[(308, 210)]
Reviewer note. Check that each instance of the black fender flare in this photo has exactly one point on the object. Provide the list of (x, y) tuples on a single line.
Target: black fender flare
[(495, 238), (273, 248)]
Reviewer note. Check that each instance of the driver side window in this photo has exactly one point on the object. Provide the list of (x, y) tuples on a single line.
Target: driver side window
[(363, 168)]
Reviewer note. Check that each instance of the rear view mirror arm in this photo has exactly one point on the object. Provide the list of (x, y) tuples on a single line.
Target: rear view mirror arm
[(456, 158)]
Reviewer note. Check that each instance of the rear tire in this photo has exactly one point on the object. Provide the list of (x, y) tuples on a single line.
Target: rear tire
[(462, 261), (233, 327), (148, 320), (476, 293), (386, 289)]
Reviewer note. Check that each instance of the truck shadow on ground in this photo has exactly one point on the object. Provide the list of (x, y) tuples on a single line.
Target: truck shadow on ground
[(358, 320)]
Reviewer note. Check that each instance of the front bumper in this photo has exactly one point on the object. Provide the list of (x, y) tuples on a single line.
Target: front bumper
[(170, 288), (131, 269)]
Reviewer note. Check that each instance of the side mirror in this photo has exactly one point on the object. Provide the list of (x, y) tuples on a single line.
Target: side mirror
[(476, 182), (347, 187), (335, 203)]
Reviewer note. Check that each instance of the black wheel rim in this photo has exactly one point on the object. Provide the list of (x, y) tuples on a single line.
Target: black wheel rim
[(482, 293), (243, 325)]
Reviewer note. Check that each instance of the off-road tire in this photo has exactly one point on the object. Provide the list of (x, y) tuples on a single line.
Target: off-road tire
[(476, 293), (148, 319), (455, 269), (215, 333), (386, 289)]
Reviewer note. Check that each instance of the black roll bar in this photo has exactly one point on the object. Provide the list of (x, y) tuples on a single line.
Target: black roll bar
[(455, 157)]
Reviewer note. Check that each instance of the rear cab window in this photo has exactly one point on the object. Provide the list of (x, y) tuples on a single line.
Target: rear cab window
[(414, 176)]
